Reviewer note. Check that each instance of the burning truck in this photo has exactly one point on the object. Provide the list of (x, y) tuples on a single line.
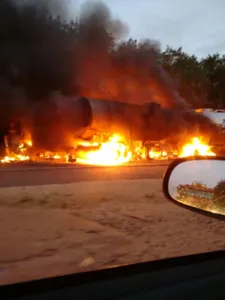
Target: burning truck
[(90, 61), (196, 189), (103, 132), (196, 194)]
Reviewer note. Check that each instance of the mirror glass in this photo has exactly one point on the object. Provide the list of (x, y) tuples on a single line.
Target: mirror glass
[(199, 184)]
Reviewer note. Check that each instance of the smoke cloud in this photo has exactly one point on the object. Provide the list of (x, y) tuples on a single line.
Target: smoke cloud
[(42, 54)]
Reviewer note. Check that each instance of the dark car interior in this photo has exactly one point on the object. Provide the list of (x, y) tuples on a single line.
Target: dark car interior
[(200, 276)]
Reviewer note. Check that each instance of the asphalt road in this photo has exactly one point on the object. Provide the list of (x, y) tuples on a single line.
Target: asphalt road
[(18, 175)]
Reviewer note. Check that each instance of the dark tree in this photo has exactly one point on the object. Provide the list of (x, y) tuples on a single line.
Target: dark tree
[(219, 189)]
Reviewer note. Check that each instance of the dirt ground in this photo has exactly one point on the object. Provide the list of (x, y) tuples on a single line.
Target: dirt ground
[(62, 229)]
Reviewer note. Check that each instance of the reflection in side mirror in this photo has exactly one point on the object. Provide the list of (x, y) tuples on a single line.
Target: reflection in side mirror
[(198, 183)]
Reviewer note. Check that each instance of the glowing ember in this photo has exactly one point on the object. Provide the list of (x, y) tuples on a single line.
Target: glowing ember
[(19, 157), (57, 156), (196, 147), (22, 157), (139, 153), (157, 154), (154, 154), (113, 152), (7, 159), (29, 143)]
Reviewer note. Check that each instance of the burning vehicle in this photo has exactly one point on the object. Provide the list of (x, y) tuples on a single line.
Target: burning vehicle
[(103, 132), (40, 87), (196, 189), (196, 194)]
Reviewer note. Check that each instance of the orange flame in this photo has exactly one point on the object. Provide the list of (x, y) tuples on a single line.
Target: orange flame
[(196, 147), (16, 157), (110, 153), (56, 156), (29, 143), (20, 155), (154, 154)]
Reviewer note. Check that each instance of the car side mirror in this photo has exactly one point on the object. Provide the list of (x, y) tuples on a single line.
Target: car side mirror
[(197, 183)]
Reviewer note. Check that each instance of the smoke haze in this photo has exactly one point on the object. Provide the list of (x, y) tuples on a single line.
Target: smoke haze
[(41, 54)]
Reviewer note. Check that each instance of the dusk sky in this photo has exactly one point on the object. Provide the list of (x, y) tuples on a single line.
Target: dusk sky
[(196, 25)]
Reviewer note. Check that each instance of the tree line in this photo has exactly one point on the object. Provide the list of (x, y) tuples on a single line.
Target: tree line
[(42, 54), (200, 81)]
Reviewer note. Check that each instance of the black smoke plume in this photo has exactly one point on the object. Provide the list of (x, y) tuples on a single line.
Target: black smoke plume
[(42, 55)]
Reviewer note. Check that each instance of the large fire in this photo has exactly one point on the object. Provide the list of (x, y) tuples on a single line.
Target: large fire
[(196, 147), (110, 153), (20, 155)]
